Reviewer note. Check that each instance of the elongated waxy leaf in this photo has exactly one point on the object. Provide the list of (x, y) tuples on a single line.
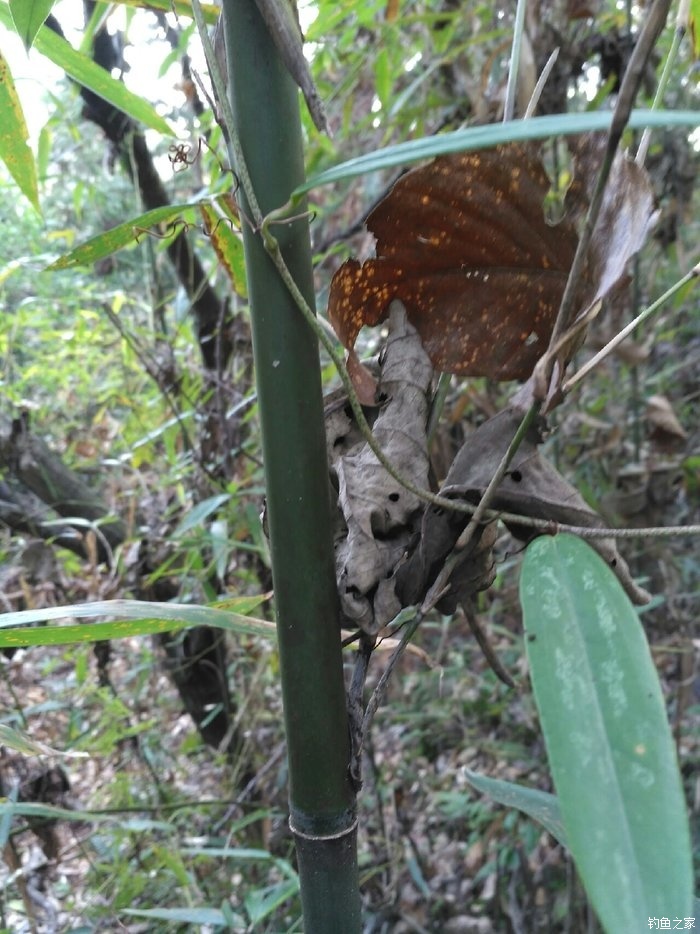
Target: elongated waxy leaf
[(540, 805), (14, 151), (174, 217), (28, 17), (609, 744), (138, 617), (86, 72), (483, 137)]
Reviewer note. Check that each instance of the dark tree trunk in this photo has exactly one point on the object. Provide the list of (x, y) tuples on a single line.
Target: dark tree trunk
[(212, 314)]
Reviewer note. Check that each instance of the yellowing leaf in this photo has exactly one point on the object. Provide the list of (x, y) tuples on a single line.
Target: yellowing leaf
[(173, 216), (14, 151), (221, 224), (694, 26)]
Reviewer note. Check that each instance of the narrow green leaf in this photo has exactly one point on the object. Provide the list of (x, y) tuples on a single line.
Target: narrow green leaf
[(14, 151), (200, 512), (147, 618), (10, 809), (609, 744), (50, 812), (28, 16), (43, 152), (174, 217), (540, 805), (182, 7), (483, 137), (200, 916), (382, 78), (227, 852), (259, 903), (6, 817), (86, 72), (22, 743)]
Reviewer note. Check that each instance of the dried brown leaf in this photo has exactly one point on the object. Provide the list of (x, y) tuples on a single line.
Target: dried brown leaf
[(626, 216), (664, 428), (532, 487), (380, 516), (464, 244)]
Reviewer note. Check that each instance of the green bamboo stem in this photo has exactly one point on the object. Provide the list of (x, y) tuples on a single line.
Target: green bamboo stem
[(322, 802)]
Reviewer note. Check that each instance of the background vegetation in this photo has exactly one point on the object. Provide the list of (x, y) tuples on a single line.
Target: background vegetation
[(108, 364)]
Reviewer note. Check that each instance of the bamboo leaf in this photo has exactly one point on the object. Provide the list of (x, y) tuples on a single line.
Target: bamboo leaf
[(610, 747), (199, 916), (210, 11), (259, 903), (135, 618), (14, 151), (14, 739), (540, 805), (83, 70), (484, 137), (49, 812), (694, 26), (221, 222), (11, 809), (200, 512), (173, 216), (28, 17)]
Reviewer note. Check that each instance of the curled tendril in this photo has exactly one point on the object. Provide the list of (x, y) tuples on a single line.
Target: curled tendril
[(180, 225), (185, 155), (180, 154), (169, 231), (209, 232)]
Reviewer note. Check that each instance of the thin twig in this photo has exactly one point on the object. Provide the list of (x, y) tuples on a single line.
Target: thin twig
[(541, 81), (628, 329), (628, 91), (486, 647), (679, 33), (380, 689)]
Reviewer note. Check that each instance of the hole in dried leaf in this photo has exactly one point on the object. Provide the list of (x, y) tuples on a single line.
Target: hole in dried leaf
[(394, 497), (380, 531), (516, 476)]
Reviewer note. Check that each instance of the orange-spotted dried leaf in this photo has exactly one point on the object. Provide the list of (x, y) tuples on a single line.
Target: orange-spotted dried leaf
[(464, 244)]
